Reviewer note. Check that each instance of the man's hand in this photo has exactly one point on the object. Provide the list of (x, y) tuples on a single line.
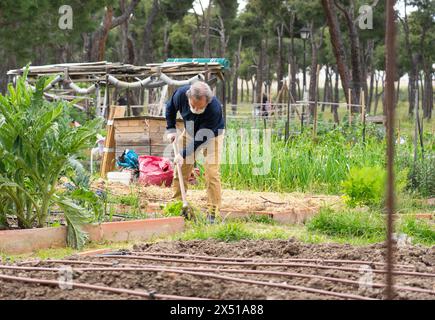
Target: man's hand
[(171, 137), (178, 159)]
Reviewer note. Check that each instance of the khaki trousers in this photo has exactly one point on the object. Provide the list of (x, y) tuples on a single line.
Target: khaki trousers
[(212, 156)]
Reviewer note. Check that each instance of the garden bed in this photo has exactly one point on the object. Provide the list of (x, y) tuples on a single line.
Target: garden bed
[(319, 271), (281, 207), (23, 241)]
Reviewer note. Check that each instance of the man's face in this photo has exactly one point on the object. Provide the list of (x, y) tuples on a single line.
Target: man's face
[(197, 106)]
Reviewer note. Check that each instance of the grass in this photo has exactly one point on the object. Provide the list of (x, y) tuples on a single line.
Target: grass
[(369, 226), (365, 225), (348, 227), (63, 252), (303, 164), (317, 165), (236, 231), (131, 205), (420, 231)]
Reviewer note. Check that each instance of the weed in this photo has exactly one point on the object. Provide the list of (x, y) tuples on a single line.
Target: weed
[(368, 225), (419, 230)]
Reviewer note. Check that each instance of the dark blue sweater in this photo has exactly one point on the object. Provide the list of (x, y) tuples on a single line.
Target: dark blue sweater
[(211, 118)]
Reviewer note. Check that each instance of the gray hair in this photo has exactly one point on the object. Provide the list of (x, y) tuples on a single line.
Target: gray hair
[(200, 89)]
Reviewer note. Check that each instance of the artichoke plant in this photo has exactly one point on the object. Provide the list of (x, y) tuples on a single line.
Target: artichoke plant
[(37, 146)]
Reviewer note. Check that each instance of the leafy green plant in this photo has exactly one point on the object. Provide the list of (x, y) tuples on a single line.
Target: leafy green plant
[(173, 209), (364, 186), (81, 192), (130, 200), (37, 145)]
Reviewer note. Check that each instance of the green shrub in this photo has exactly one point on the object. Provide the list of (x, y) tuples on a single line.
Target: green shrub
[(364, 186)]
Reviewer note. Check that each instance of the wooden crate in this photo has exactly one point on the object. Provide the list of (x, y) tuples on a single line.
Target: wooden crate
[(144, 134)]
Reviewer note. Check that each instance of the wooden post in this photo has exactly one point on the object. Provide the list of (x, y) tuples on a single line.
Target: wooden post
[(398, 131), (108, 162), (315, 104), (349, 107), (363, 114), (363, 108)]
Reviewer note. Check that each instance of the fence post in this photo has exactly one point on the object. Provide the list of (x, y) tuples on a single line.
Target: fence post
[(349, 107), (363, 114)]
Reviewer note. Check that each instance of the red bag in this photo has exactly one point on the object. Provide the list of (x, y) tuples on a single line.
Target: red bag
[(155, 171)]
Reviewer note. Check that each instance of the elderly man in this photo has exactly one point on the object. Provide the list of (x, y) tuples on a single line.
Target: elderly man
[(203, 130)]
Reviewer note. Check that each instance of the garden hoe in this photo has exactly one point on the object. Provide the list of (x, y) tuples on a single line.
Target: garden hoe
[(187, 210)]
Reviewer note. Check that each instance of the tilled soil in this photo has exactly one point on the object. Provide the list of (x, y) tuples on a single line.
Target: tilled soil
[(422, 258), (241, 200)]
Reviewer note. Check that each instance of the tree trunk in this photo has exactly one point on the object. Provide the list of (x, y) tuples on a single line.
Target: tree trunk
[(207, 51), (99, 49), (236, 77), (355, 51), (8, 63), (376, 94), (259, 80), (413, 59), (428, 92), (370, 96), (222, 38), (313, 72), (166, 42), (241, 91), (253, 90), (228, 87), (95, 43), (325, 88), (336, 97), (127, 44), (280, 63), (398, 91), (337, 44), (292, 57), (147, 46)]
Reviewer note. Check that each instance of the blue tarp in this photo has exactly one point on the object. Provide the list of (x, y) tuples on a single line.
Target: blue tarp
[(128, 159)]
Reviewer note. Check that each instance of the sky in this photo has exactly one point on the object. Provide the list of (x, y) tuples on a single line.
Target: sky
[(242, 3)]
